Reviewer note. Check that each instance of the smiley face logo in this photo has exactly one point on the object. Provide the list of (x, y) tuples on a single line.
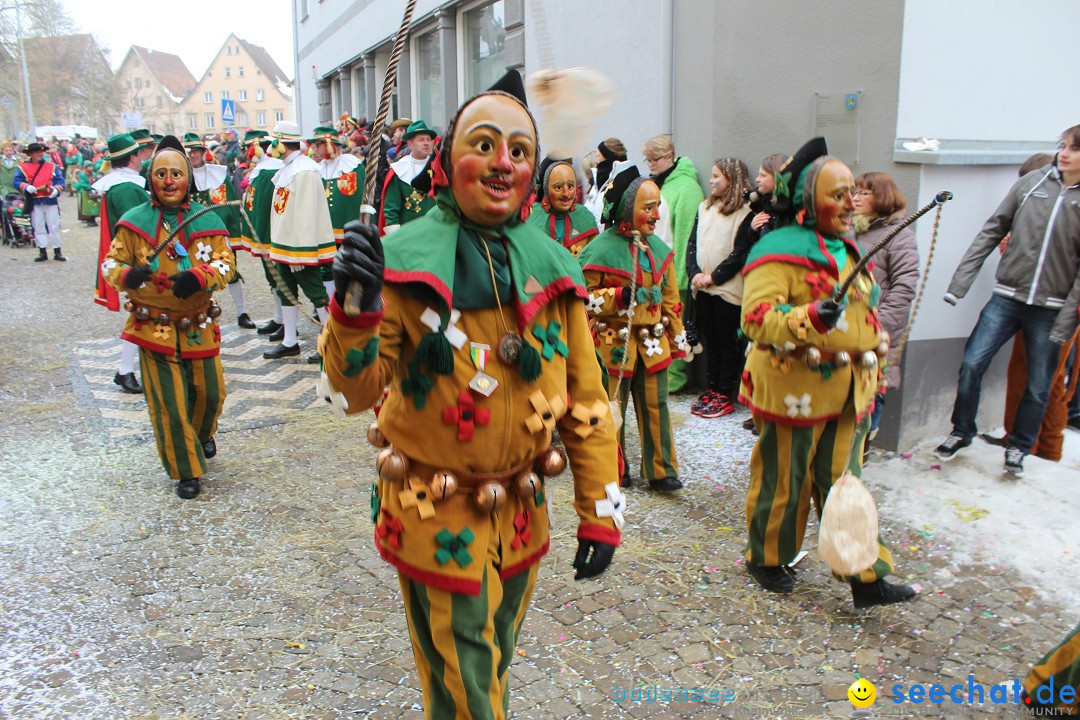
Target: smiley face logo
[(862, 693)]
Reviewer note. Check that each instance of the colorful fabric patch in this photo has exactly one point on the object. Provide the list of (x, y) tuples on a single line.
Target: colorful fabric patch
[(194, 336), (548, 412), (417, 384), (613, 505), (820, 282), (418, 495), (550, 340), (161, 281), (452, 547), (618, 355), (466, 415), (162, 332), (346, 184), (357, 359), (390, 530), (522, 533), (281, 199), (375, 502), (591, 417), (757, 315), (873, 320)]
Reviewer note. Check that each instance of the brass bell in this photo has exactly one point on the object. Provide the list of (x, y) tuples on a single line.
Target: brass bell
[(215, 310), (882, 350), (142, 314), (884, 336), (491, 496), (375, 436), (644, 334), (842, 359), (658, 330), (391, 465), (868, 360), (812, 357), (601, 326), (443, 485), (527, 485), (551, 462), (129, 306), (200, 318), (665, 321), (623, 334), (163, 319), (183, 323)]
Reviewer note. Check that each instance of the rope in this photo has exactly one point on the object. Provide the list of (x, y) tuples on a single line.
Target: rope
[(897, 351), (638, 245)]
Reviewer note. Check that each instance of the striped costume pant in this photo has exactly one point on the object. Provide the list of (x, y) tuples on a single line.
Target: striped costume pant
[(463, 644), (185, 398), (789, 467), (1062, 665), (650, 393)]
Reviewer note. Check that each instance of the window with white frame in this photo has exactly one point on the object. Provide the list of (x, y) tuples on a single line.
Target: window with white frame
[(209, 120), (260, 95), (484, 29), (139, 102), (241, 118), (192, 122), (260, 118), (207, 97), (138, 83), (240, 71), (430, 99), (241, 95), (224, 94), (228, 72), (279, 115)]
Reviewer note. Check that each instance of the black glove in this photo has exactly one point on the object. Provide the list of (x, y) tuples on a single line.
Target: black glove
[(185, 284), (136, 276), (829, 312), (591, 567), (360, 259), (626, 296)]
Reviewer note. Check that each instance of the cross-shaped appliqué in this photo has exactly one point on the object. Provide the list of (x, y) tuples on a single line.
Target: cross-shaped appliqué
[(356, 359), (652, 347), (455, 335), (452, 547), (613, 505), (591, 417), (418, 495), (327, 394), (548, 412), (798, 405), (522, 533), (466, 415), (550, 340), (417, 384), (202, 252), (389, 531), (595, 304)]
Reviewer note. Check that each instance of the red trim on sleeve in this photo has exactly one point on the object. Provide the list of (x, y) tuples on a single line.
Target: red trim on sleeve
[(361, 321), (599, 533)]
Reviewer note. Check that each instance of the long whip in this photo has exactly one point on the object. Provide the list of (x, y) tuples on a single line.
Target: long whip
[(939, 199), (371, 163)]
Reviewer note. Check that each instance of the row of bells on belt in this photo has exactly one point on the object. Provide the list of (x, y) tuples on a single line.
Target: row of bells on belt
[(143, 315), (867, 360), (623, 333), (392, 466)]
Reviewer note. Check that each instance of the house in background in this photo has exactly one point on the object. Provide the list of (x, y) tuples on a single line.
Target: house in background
[(154, 83), (246, 74), (71, 82)]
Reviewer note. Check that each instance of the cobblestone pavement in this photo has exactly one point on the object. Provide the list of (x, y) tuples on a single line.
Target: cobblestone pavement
[(264, 598)]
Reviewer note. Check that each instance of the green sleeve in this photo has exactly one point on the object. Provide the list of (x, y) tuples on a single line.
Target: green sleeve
[(393, 202)]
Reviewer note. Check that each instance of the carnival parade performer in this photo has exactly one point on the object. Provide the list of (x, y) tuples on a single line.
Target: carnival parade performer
[(42, 180), (173, 318), (812, 371), (480, 332), (407, 189), (258, 204), (343, 177), (557, 212), (636, 318)]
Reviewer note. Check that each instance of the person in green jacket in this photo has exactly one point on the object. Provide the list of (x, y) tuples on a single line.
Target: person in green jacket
[(8, 165), (682, 194)]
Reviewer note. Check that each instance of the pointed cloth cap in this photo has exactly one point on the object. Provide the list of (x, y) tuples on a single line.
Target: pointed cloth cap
[(122, 145), (789, 195), (619, 199), (169, 142)]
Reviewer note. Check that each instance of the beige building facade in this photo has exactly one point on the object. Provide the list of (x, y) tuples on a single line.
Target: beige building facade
[(154, 85), (245, 74)]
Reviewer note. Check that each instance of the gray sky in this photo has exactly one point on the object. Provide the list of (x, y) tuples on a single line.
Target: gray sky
[(193, 29)]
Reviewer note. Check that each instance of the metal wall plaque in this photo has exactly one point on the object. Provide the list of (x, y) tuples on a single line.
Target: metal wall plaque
[(836, 118)]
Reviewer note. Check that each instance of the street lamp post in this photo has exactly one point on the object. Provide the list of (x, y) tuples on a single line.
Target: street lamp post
[(25, 74)]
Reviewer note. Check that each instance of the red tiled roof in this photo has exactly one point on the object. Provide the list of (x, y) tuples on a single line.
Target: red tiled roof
[(168, 69)]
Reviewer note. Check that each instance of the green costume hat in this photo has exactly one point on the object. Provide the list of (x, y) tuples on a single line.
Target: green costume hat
[(325, 133), (122, 145), (619, 199), (143, 136), (158, 137), (192, 141), (253, 136), (418, 127)]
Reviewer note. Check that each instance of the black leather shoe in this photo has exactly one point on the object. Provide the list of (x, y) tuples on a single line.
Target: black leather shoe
[(270, 326), (43, 255), (668, 484), (314, 359), (879, 592), (283, 351), (57, 255), (244, 321), (128, 383), (626, 481), (188, 488), (777, 579), (209, 448), (278, 335)]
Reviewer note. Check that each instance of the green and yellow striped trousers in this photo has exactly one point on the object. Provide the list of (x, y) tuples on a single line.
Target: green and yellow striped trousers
[(463, 644), (185, 398), (1062, 664), (789, 467), (650, 393)]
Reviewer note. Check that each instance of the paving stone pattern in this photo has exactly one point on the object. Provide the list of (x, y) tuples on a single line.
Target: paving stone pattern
[(264, 597)]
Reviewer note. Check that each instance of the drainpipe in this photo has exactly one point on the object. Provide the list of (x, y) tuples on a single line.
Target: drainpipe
[(667, 63)]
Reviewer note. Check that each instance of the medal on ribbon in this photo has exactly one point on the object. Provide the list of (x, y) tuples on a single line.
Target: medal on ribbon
[(481, 383)]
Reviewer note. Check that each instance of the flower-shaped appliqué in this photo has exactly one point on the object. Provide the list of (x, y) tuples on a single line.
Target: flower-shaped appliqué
[(202, 252), (162, 332), (220, 266), (452, 547), (798, 405), (652, 347)]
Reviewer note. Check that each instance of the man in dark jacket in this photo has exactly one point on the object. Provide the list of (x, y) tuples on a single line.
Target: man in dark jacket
[(1037, 291)]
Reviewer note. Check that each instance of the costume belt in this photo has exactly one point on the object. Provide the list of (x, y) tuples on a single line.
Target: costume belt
[(182, 318), (815, 357), (489, 489)]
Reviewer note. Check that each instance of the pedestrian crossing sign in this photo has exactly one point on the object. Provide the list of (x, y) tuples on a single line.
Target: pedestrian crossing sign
[(228, 111)]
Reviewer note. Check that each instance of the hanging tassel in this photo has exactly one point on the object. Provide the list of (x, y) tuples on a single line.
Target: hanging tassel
[(184, 264), (435, 353), (643, 296), (529, 366), (154, 264)]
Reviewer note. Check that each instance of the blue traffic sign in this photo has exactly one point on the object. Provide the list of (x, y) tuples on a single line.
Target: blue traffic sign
[(228, 111)]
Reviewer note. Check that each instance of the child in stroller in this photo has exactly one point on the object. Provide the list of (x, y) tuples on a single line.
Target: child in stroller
[(17, 229)]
